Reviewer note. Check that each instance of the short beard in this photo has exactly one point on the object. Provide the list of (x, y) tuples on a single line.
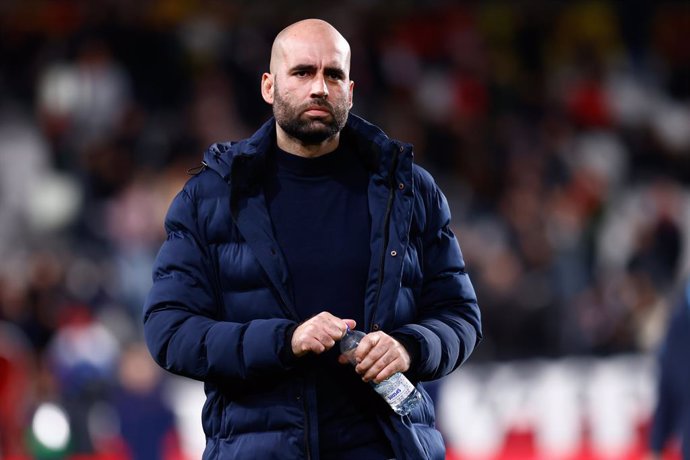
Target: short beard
[(308, 132)]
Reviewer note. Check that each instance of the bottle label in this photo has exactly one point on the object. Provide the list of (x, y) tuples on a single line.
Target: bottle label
[(395, 389)]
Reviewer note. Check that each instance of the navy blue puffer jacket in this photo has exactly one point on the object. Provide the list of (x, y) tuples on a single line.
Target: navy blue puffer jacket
[(220, 308)]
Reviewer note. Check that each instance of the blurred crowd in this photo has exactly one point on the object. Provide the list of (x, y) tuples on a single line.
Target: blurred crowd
[(560, 132)]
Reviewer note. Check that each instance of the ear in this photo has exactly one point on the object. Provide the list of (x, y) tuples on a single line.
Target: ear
[(267, 87), (352, 90)]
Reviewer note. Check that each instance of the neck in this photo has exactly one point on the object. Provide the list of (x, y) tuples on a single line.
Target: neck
[(294, 146)]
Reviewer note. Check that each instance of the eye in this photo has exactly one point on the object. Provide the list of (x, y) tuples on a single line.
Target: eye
[(302, 72), (335, 75)]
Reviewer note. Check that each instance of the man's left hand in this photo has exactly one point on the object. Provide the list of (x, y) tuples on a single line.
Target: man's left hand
[(379, 356)]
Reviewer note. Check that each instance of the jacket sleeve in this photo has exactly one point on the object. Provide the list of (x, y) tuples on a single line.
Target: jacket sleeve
[(181, 325), (665, 415), (448, 324)]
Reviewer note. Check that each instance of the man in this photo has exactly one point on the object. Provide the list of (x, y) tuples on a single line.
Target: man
[(317, 223)]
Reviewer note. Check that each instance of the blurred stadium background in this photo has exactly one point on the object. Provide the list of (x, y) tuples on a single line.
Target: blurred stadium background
[(560, 132)]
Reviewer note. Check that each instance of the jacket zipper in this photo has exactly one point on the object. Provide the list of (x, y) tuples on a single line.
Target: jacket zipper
[(283, 301), (307, 428), (386, 235), (302, 398)]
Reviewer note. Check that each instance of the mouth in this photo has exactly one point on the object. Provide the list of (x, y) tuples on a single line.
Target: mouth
[(317, 111)]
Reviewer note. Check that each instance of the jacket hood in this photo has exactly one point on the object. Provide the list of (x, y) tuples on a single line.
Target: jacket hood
[(220, 156)]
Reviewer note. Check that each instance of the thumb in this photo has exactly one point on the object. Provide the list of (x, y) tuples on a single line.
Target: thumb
[(351, 323)]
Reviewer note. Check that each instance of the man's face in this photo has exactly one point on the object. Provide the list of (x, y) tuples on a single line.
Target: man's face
[(312, 92)]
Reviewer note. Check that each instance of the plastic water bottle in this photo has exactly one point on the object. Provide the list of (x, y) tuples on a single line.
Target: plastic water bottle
[(397, 390)]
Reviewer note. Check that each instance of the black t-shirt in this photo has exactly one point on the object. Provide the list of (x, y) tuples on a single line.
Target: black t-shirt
[(320, 215)]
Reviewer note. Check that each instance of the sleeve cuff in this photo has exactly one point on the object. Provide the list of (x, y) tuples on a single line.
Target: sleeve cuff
[(287, 357), (413, 348)]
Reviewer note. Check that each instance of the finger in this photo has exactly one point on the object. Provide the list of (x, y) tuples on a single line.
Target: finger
[(312, 336), (336, 330), (323, 337), (387, 372), (324, 340), (306, 345), (324, 329), (372, 350), (366, 345), (334, 326), (328, 342), (315, 346), (384, 361), (343, 325)]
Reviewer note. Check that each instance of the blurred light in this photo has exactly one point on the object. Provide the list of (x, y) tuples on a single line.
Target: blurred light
[(186, 397), (51, 427), (671, 122), (59, 90), (53, 202), (432, 95)]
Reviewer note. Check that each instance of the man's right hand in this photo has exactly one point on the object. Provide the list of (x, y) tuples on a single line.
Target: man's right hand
[(319, 333)]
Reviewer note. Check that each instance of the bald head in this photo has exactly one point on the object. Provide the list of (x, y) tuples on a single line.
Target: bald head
[(305, 32), (309, 87)]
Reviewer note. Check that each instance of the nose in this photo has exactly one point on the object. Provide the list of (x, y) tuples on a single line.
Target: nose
[(319, 87)]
